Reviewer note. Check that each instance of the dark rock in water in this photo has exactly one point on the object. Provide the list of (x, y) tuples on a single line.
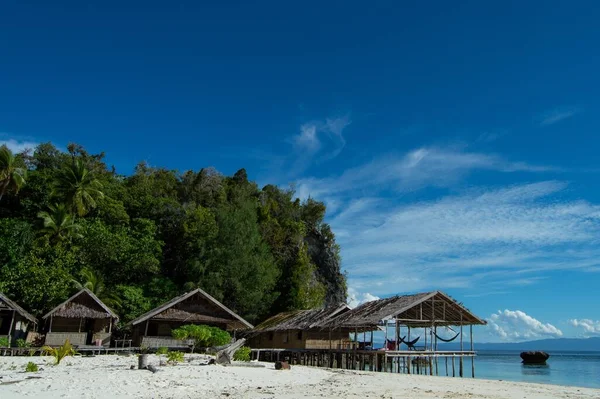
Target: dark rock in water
[(534, 357)]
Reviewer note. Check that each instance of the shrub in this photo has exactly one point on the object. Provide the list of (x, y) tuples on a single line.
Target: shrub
[(242, 354), (174, 357), (31, 367), (21, 343), (61, 352), (162, 350), (203, 336), (4, 342)]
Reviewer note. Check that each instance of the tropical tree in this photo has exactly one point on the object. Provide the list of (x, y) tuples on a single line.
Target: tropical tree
[(94, 282), (78, 187), (58, 223), (12, 177)]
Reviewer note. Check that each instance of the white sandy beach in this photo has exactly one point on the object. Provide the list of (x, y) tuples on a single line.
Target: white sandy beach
[(110, 377)]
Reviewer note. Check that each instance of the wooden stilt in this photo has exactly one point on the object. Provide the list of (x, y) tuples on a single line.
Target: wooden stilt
[(460, 365), (80, 321), (10, 328), (472, 357), (50, 328), (146, 330), (453, 372)]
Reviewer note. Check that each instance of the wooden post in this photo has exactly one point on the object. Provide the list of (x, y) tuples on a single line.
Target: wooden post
[(330, 347), (460, 365), (110, 326), (472, 356), (386, 333), (50, 329), (12, 322), (146, 330), (446, 366), (453, 372), (80, 321)]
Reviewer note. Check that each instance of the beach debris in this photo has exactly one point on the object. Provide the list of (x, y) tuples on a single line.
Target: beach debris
[(152, 368), (282, 365), (534, 357), (225, 355), (143, 361)]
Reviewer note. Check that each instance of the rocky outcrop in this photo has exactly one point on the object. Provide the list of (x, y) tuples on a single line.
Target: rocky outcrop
[(534, 357)]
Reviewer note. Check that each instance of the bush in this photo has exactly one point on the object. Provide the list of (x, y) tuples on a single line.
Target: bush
[(21, 343), (174, 357), (4, 342), (162, 350), (242, 354), (31, 367), (203, 336)]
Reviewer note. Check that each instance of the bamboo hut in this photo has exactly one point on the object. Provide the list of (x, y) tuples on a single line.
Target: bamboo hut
[(153, 329), (300, 329), (82, 319), (14, 320)]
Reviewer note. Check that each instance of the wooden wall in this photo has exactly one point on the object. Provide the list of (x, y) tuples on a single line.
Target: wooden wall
[(298, 339)]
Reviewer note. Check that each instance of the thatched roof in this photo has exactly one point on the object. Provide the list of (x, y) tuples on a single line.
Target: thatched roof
[(300, 319), (83, 304), (5, 302), (417, 310), (169, 311)]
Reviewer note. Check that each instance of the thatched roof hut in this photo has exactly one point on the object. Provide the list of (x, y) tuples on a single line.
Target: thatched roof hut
[(84, 304), (300, 319), (299, 329), (83, 319), (417, 310), (195, 307), (14, 320), (6, 304)]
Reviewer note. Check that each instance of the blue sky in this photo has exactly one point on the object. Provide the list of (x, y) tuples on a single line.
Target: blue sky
[(455, 144)]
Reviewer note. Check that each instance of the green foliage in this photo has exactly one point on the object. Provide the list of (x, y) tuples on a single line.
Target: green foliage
[(139, 240), (31, 367), (4, 342), (174, 357), (21, 343), (203, 336), (59, 353), (12, 174), (242, 354), (77, 187), (162, 350)]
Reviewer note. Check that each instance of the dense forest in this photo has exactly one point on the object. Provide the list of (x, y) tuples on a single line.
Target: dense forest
[(67, 220)]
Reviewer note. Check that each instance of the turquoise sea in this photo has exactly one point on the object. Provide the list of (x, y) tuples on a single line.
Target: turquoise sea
[(563, 368)]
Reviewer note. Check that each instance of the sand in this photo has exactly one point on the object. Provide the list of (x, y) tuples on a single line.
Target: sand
[(109, 376)]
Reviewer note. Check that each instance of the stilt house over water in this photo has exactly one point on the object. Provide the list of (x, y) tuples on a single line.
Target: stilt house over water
[(14, 320), (83, 319), (300, 329), (153, 329)]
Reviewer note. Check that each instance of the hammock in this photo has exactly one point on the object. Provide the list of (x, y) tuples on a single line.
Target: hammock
[(446, 340), (410, 344)]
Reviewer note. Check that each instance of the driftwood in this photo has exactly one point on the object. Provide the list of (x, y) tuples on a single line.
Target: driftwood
[(151, 368), (225, 355)]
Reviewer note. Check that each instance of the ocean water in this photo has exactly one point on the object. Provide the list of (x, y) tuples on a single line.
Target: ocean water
[(563, 368)]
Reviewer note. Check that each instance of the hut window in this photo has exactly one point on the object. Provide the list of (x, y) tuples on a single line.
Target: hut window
[(300, 335)]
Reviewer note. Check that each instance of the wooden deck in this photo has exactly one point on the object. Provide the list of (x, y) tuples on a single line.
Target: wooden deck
[(448, 363)]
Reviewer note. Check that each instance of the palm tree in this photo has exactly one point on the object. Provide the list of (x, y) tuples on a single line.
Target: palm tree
[(12, 177), (94, 282), (59, 224), (78, 187)]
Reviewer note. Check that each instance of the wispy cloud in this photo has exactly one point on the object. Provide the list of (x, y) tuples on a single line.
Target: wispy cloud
[(516, 325), (426, 166), (356, 298), (397, 235), (324, 139), (589, 327), (557, 115), (18, 146)]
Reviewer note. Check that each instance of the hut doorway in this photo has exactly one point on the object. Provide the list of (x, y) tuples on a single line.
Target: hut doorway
[(89, 329)]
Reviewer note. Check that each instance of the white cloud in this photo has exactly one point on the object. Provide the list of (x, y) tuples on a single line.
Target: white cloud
[(18, 146), (480, 238), (516, 325), (426, 166), (356, 298), (557, 115), (589, 327), (307, 139)]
